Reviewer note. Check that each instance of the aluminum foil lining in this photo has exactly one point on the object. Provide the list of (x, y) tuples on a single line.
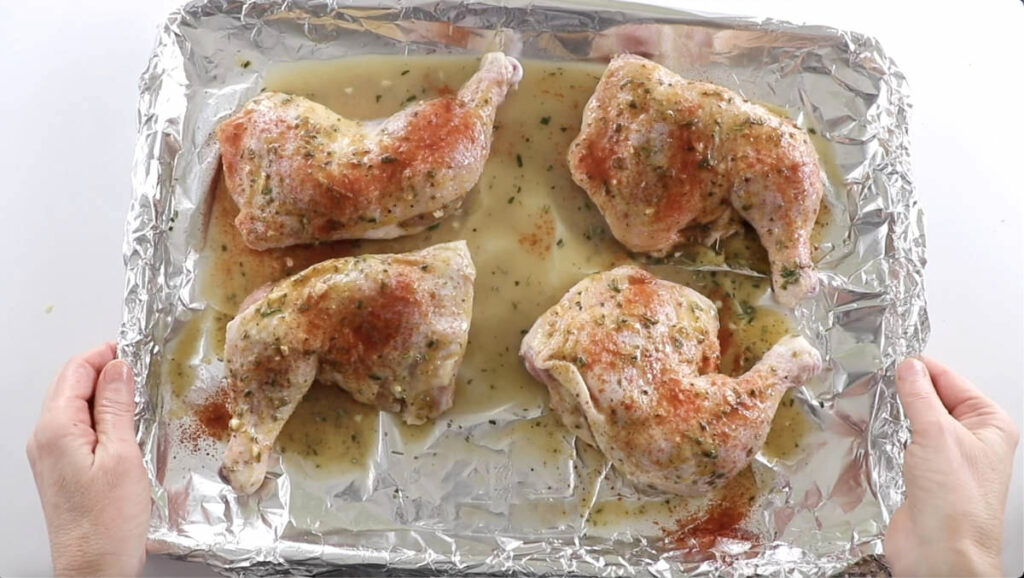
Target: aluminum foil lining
[(824, 513)]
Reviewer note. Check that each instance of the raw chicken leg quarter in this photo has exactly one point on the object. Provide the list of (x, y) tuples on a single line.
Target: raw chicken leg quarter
[(667, 160), (389, 329), (301, 173), (630, 361)]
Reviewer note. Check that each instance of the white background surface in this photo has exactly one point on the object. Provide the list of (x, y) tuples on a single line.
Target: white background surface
[(68, 90)]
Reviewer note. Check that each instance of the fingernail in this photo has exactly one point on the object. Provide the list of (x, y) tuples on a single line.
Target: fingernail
[(911, 369), (118, 372)]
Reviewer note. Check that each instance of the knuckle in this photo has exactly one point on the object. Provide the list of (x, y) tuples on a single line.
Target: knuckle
[(42, 442), (1004, 426), (49, 440), (113, 407), (1010, 430), (914, 397), (30, 449), (74, 366)]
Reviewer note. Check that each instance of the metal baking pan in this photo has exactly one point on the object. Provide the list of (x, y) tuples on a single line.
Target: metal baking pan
[(475, 506)]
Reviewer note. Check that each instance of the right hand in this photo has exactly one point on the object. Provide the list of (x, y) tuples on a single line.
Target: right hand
[(957, 471)]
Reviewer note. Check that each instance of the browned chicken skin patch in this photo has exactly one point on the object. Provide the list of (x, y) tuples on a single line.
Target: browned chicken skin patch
[(668, 160)]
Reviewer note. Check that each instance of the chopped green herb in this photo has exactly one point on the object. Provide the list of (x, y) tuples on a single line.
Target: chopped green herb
[(560, 243), (789, 276), (388, 158), (411, 98), (511, 200), (545, 120), (404, 72), (519, 160), (434, 227), (379, 96), (375, 377), (747, 313)]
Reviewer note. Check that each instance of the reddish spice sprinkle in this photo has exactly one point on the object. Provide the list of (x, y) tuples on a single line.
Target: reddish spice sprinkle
[(730, 505), (540, 240), (214, 415), (211, 422)]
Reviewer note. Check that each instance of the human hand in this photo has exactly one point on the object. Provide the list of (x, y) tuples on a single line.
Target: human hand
[(957, 471), (89, 471)]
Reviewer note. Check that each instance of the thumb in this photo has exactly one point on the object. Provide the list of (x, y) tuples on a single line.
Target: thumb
[(113, 406), (917, 394)]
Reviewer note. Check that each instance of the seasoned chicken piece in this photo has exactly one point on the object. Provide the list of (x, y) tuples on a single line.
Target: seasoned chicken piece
[(630, 363), (300, 173), (389, 329), (668, 160)]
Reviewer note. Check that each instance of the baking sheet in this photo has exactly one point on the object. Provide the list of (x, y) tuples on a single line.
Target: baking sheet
[(818, 514)]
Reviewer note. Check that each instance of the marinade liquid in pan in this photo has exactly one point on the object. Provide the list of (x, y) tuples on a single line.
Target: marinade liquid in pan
[(532, 233)]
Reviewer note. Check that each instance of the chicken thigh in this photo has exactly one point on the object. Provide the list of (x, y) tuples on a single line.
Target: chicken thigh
[(389, 329), (668, 160), (630, 362), (301, 173)]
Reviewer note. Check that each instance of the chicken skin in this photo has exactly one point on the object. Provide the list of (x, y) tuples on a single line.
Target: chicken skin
[(630, 361), (389, 329), (301, 173), (668, 160)]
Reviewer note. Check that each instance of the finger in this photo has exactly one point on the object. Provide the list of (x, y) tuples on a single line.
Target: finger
[(65, 415), (78, 376), (959, 396), (965, 402), (114, 406), (920, 402)]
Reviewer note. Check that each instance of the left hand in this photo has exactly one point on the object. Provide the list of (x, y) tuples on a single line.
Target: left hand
[(88, 469)]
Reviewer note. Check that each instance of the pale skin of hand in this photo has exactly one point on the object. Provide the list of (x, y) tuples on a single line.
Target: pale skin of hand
[(957, 471), (95, 493), (88, 469)]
